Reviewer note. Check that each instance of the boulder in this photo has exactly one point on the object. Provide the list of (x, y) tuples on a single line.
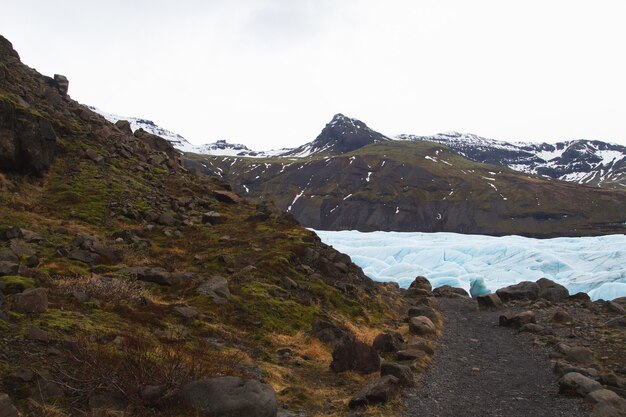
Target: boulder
[(36, 333), (402, 372), (420, 344), (226, 196), (575, 384), (517, 320), (215, 287), (489, 301), (551, 291), (229, 396), (579, 355), (166, 219), (32, 300), (447, 291), (124, 126), (600, 395), (212, 217), (525, 290), (388, 342), (353, 355), (62, 83), (421, 325), (378, 391), (410, 354), (561, 316), (186, 312), (8, 268), (328, 332), (421, 283), (610, 408), (423, 310), (7, 409)]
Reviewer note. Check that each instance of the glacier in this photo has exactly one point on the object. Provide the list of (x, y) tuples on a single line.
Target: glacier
[(595, 265)]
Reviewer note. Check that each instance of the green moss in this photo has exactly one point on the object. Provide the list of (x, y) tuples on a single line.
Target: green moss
[(274, 314), (334, 298), (13, 284)]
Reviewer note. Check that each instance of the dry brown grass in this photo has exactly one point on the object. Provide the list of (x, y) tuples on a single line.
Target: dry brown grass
[(111, 289)]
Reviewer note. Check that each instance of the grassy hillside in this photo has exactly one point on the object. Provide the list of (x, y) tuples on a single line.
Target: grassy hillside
[(154, 276), (420, 186)]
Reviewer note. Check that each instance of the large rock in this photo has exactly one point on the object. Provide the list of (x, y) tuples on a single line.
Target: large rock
[(7, 409), (229, 396), (525, 290), (32, 300), (489, 301), (610, 408), (550, 290), (423, 310), (575, 384), (63, 84), (388, 342), (402, 372), (447, 291), (517, 320), (215, 287), (421, 283), (28, 141), (421, 326), (8, 268), (353, 355), (328, 332), (378, 391)]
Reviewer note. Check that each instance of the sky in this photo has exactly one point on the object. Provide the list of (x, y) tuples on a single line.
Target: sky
[(271, 73)]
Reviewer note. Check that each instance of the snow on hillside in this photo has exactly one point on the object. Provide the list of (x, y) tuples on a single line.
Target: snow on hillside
[(589, 264)]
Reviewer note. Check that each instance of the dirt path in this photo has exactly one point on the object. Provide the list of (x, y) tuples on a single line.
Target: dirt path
[(481, 369)]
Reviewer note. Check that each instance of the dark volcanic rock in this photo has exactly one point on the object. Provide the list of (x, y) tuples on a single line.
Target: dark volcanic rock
[(28, 142), (489, 301), (552, 291), (353, 355), (448, 291), (421, 283), (32, 300), (525, 290), (388, 342), (229, 396), (378, 391)]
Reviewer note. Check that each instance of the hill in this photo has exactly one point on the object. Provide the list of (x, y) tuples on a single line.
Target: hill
[(124, 277)]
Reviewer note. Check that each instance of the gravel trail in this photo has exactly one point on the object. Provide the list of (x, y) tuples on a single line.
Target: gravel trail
[(483, 370)]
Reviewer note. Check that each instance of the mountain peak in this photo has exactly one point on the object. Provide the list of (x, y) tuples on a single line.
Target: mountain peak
[(342, 134)]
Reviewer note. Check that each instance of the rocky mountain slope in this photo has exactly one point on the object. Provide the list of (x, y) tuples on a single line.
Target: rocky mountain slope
[(130, 286), (589, 162), (419, 186)]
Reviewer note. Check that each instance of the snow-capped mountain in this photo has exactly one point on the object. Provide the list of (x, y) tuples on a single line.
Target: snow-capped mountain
[(149, 126), (582, 161), (342, 134)]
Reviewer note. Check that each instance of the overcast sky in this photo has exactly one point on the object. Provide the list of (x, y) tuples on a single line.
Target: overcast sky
[(272, 73)]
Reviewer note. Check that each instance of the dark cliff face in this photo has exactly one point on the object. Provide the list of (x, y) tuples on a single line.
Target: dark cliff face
[(421, 186), (343, 134)]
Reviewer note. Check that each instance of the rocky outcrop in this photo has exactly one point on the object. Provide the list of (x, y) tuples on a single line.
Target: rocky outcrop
[(229, 397), (28, 142), (525, 290)]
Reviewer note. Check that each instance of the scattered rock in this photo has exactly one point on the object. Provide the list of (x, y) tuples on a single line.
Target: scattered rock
[(517, 320), (124, 126), (423, 310), (226, 196), (421, 283), (402, 372), (561, 316), (532, 328), (230, 396), (378, 391), (32, 300), (579, 355), (388, 342), (610, 408), (410, 354), (186, 312), (617, 322), (489, 301), (62, 83), (216, 287), (328, 332), (8, 268), (166, 219), (525, 290), (212, 217), (550, 290), (600, 395), (421, 344), (561, 368), (7, 409), (36, 333), (421, 325), (447, 291), (353, 355), (575, 384)]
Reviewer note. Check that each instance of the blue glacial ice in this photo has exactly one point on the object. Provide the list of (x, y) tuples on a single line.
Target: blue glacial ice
[(595, 265)]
